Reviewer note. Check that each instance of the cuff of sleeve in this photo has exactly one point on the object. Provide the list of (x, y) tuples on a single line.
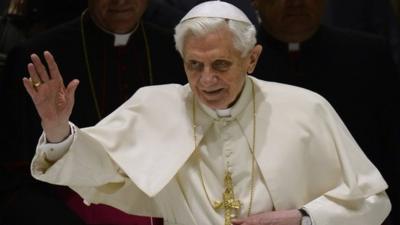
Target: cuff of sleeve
[(308, 220), (54, 151)]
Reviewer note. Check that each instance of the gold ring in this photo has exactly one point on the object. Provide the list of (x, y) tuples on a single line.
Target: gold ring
[(35, 84)]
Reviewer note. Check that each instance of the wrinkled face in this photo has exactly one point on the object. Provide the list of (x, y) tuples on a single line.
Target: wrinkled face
[(117, 16), (289, 18), (215, 69)]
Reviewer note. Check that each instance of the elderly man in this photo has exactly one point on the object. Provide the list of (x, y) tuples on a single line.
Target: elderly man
[(225, 149)]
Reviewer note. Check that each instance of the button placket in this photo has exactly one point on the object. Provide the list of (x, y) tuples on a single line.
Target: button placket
[(226, 137)]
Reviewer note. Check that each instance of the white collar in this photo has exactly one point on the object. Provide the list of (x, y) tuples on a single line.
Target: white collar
[(293, 47), (224, 112), (121, 39)]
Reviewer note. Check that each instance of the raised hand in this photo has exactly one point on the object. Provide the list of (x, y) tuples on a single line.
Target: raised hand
[(283, 217), (53, 101)]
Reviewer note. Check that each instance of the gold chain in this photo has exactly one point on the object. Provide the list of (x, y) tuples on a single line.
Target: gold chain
[(89, 72), (252, 150)]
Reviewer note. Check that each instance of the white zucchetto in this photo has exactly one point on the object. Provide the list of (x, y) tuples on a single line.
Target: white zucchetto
[(217, 9)]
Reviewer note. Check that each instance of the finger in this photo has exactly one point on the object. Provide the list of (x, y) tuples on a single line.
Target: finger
[(237, 221), (53, 68), (29, 88), (246, 221), (40, 68), (71, 88), (70, 94), (33, 74)]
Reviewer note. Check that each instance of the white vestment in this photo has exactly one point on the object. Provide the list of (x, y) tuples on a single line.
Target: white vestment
[(141, 158)]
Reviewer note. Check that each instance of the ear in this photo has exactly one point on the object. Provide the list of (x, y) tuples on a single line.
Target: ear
[(254, 55)]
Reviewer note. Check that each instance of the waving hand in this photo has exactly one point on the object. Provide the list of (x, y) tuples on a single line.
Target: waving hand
[(53, 101)]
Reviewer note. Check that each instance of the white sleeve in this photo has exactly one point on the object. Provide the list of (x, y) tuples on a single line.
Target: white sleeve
[(372, 210), (54, 151)]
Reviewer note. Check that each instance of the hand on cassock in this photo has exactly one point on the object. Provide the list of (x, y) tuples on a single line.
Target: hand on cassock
[(283, 217), (53, 101)]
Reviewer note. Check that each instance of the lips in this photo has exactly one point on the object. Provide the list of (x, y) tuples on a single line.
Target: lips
[(212, 94)]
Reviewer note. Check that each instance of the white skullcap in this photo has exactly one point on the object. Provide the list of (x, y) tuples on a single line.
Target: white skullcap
[(217, 9)]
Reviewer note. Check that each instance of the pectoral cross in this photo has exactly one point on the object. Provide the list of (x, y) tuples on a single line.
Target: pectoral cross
[(230, 204)]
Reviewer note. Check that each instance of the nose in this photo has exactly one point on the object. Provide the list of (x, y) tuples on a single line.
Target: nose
[(208, 77)]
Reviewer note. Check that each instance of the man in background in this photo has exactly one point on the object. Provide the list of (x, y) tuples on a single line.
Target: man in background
[(113, 52), (371, 16), (353, 70)]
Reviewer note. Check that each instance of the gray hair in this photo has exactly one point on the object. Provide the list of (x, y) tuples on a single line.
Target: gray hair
[(244, 34)]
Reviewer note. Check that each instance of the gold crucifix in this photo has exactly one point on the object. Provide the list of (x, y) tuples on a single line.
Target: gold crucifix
[(230, 204)]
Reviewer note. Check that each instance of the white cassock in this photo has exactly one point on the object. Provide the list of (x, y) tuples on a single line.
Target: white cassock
[(141, 158)]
